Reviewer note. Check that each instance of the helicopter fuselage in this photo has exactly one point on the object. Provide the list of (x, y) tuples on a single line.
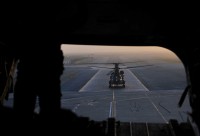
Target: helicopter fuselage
[(117, 78)]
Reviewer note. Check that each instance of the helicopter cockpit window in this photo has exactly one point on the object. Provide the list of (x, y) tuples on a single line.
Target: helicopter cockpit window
[(129, 83)]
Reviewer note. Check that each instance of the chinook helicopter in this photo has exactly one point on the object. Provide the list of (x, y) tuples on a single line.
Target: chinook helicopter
[(117, 77)]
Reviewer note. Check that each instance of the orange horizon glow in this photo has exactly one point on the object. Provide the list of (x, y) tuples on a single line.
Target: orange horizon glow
[(143, 51), (70, 48)]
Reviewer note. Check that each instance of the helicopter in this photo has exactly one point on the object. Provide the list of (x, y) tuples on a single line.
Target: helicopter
[(117, 77)]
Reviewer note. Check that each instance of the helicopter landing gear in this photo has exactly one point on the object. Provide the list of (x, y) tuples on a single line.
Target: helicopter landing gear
[(112, 86)]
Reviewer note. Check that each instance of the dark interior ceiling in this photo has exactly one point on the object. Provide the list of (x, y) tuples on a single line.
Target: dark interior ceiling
[(115, 22)]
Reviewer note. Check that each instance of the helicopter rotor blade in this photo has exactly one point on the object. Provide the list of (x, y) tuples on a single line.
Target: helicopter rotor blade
[(100, 67), (123, 66)]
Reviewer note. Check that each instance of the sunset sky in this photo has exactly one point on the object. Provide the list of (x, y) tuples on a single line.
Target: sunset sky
[(82, 49), (69, 49)]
